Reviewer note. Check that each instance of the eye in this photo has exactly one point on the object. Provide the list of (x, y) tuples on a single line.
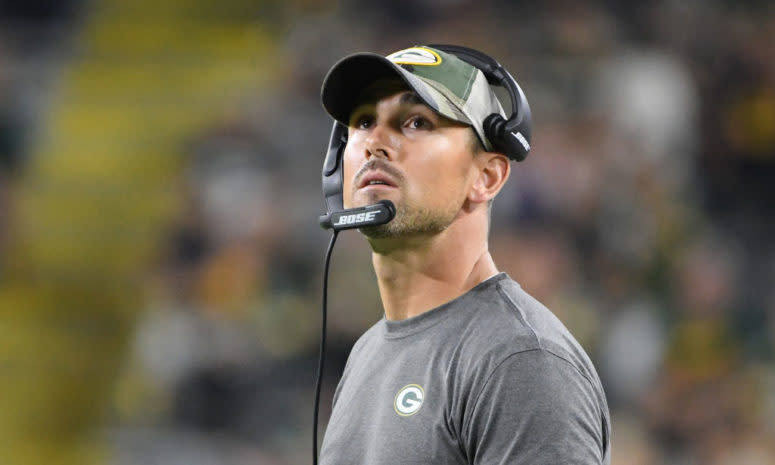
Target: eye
[(364, 121), (418, 122)]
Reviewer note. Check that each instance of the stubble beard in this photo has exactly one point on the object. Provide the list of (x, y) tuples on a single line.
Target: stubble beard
[(411, 221)]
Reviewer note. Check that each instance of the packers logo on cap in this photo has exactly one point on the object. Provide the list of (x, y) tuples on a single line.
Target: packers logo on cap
[(415, 56)]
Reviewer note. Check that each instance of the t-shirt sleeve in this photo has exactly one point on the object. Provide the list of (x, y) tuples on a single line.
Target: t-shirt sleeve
[(534, 408)]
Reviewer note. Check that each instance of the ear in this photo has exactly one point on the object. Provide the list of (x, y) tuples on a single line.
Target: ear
[(493, 171)]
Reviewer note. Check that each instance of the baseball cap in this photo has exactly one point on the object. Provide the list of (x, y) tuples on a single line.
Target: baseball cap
[(447, 84)]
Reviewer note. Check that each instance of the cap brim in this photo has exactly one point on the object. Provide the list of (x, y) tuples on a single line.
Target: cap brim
[(347, 80)]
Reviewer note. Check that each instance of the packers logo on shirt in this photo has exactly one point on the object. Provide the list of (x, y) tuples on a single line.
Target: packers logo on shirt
[(409, 400)]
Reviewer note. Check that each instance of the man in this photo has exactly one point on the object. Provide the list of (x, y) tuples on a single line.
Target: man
[(465, 367)]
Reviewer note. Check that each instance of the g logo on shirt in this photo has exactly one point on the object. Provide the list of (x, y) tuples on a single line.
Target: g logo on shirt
[(409, 400)]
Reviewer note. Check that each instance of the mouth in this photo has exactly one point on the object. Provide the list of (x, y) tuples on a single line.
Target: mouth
[(376, 179)]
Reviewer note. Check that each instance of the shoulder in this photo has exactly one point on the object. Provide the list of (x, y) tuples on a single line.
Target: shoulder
[(517, 352), (507, 320), (368, 338), (511, 334)]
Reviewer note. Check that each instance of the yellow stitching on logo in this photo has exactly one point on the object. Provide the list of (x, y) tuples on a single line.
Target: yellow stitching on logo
[(401, 391), (420, 63)]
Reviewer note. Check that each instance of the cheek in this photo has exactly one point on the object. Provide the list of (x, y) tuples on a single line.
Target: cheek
[(443, 172)]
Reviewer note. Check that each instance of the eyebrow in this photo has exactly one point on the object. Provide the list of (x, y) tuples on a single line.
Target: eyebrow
[(411, 98)]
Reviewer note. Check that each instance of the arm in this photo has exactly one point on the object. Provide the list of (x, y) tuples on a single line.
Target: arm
[(535, 408)]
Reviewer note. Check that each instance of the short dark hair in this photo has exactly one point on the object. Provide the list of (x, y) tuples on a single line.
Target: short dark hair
[(475, 143)]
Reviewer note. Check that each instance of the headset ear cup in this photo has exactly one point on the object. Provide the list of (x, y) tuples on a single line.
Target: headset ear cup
[(493, 129), (502, 139), (508, 136)]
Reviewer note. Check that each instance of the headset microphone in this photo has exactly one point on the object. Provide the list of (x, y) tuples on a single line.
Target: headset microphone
[(371, 215)]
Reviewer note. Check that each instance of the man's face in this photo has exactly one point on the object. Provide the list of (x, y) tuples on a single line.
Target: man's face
[(401, 150)]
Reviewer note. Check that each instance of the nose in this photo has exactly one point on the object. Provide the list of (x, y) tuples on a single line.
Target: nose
[(378, 143)]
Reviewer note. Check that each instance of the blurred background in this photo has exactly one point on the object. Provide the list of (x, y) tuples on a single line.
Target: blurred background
[(160, 258)]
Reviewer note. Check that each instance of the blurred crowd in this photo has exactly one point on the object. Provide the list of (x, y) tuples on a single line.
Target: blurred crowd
[(641, 218)]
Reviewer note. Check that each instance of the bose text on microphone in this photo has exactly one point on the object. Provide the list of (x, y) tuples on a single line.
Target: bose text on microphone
[(351, 218)]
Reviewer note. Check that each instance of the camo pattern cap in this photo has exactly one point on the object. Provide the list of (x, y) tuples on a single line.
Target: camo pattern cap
[(449, 85)]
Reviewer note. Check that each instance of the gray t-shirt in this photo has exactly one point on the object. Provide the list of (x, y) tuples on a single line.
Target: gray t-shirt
[(492, 377)]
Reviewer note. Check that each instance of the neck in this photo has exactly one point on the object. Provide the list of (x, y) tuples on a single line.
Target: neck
[(418, 274)]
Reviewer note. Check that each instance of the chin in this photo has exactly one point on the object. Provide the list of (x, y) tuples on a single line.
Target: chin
[(377, 232)]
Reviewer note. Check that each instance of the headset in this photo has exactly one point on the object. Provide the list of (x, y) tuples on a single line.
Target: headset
[(508, 136)]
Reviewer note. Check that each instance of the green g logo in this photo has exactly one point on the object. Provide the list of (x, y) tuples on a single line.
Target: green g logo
[(409, 400)]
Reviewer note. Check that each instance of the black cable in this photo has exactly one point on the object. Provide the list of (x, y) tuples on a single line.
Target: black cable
[(319, 379)]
